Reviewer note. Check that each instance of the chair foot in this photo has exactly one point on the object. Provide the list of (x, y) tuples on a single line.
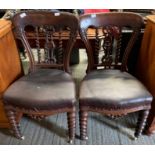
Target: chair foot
[(84, 138), (18, 134), (22, 138), (70, 141)]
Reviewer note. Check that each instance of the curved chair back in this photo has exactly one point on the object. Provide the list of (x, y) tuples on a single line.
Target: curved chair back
[(106, 29), (52, 35)]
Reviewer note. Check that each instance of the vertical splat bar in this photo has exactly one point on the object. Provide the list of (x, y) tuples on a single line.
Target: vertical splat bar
[(97, 46), (38, 44), (60, 49), (46, 45), (118, 48), (52, 46)]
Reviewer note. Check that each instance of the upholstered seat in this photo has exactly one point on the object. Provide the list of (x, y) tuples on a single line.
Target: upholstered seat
[(113, 89), (42, 90)]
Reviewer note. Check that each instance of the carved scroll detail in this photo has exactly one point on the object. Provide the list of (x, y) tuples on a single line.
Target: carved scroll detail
[(107, 46), (49, 45)]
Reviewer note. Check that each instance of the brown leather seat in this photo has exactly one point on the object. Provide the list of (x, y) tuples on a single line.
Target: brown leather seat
[(113, 89), (42, 90), (48, 88), (108, 88)]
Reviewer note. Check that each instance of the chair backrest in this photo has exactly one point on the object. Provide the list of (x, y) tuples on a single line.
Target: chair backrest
[(47, 36), (102, 34)]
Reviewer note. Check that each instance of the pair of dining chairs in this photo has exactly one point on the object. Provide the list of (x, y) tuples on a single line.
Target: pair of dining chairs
[(49, 88)]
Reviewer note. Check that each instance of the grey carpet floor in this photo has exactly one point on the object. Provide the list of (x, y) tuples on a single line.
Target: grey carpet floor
[(101, 129)]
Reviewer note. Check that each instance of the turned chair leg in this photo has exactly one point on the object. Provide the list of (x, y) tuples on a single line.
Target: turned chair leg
[(13, 123), (83, 117), (142, 118), (71, 117)]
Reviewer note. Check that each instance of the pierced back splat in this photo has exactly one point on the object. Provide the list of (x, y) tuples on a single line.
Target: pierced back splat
[(108, 27), (48, 38)]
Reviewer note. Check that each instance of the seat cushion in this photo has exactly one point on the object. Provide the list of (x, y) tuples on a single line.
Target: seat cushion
[(113, 89), (43, 89)]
